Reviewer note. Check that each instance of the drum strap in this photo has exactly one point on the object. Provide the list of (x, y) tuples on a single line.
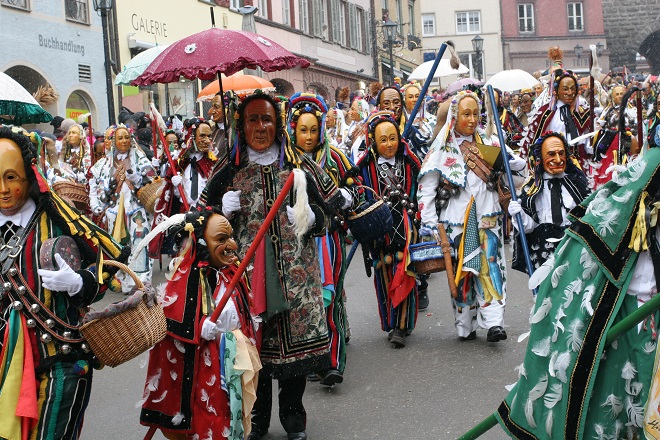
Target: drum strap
[(475, 161), (11, 250)]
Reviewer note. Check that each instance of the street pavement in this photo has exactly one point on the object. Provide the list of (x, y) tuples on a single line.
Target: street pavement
[(437, 387)]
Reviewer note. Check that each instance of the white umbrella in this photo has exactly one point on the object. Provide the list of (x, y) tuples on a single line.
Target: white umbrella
[(422, 71), (17, 106), (137, 65), (510, 80)]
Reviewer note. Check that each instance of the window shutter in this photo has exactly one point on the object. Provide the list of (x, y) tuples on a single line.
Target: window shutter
[(352, 24), (367, 32)]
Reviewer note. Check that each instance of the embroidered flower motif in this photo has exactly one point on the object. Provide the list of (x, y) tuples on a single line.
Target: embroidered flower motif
[(449, 162), (190, 48)]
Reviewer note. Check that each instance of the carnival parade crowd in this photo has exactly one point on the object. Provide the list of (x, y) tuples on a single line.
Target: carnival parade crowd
[(418, 198)]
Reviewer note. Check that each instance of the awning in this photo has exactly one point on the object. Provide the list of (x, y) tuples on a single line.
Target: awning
[(397, 72)]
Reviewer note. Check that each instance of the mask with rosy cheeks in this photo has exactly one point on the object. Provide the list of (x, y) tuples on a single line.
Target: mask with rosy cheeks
[(219, 242), (553, 154), (386, 138), (307, 132), (107, 139), (216, 111), (467, 118), (203, 138), (122, 140), (259, 126), (13, 180), (412, 95)]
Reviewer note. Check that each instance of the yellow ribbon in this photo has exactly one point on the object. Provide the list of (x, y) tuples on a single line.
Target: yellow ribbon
[(638, 241)]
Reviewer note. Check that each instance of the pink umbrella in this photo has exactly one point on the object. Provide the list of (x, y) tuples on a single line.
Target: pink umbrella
[(206, 54), (457, 86)]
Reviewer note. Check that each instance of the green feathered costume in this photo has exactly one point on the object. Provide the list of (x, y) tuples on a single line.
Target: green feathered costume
[(572, 386)]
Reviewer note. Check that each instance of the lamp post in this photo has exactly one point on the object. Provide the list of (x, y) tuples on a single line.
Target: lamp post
[(578, 53), (104, 6), (478, 46), (389, 29)]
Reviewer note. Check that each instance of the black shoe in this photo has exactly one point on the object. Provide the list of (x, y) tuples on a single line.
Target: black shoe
[(423, 300), (398, 339), (471, 337), (332, 377), (496, 334), (256, 435), (296, 436), (313, 377)]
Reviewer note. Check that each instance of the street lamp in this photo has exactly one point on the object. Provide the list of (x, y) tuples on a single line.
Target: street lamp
[(578, 53), (389, 29), (105, 6), (478, 46)]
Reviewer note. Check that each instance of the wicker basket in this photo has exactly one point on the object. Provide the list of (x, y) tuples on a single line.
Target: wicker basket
[(75, 194), (427, 257), (150, 193), (120, 338), (371, 221)]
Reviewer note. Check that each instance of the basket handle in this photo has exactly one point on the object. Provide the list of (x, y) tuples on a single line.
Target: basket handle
[(128, 270), (376, 196)]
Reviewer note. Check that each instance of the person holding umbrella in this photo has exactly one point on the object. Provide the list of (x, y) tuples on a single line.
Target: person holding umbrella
[(294, 337)]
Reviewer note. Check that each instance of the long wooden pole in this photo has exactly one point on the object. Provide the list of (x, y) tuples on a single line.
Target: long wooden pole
[(254, 246)]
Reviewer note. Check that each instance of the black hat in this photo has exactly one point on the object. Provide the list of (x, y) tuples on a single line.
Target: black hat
[(57, 121)]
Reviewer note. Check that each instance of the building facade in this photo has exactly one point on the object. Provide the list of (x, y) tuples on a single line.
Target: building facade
[(462, 23), (56, 44), (333, 35), (530, 27), (406, 44)]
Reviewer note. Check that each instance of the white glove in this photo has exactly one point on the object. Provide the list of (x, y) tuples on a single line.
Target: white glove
[(588, 149), (135, 177), (63, 280), (155, 162), (348, 198), (311, 217), (426, 230), (228, 320), (209, 330), (514, 208), (177, 179), (516, 163), (175, 154), (231, 202)]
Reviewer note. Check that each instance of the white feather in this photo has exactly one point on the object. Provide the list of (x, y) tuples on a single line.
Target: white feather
[(615, 344), (553, 396), (557, 274), (649, 347), (226, 432), (204, 395), (170, 358), (161, 227), (600, 432), (539, 389), (168, 300), (153, 381), (570, 290), (548, 424), (144, 362), (177, 419), (542, 311), (628, 371), (510, 386), (586, 300), (161, 397), (541, 273), (521, 370), (212, 410), (624, 197), (551, 364), (636, 168), (633, 388), (173, 375), (589, 265), (614, 404), (560, 250), (159, 118), (529, 413), (145, 397), (635, 412), (207, 357), (523, 336), (179, 346), (575, 335), (618, 426), (542, 348), (211, 381), (561, 365)]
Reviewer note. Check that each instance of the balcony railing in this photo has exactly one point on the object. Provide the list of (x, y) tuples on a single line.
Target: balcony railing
[(77, 10), (18, 4)]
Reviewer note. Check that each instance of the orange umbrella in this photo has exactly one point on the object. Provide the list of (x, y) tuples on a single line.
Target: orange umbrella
[(240, 84)]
